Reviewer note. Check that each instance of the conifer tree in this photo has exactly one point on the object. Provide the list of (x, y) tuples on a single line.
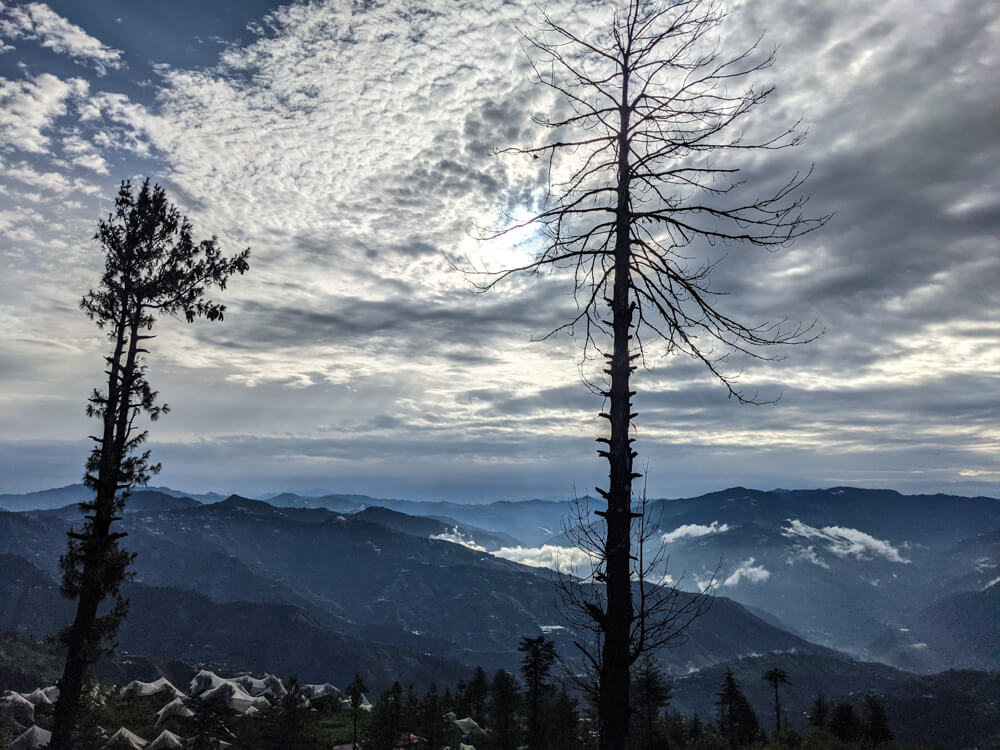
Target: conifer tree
[(152, 268), (650, 693), (387, 719), (290, 719), (737, 720), (819, 714), (695, 729), (206, 726), (478, 693), (876, 729), (539, 656), (356, 694), (505, 700), (565, 721), (844, 722), (432, 725)]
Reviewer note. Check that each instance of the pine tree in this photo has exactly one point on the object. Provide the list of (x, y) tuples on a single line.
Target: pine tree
[(650, 693), (565, 722), (876, 728), (432, 725), (819, 714), (291, 715), (387, 719), (206, 727), (505, 700), (477, 693), (152, 268), (844, 722), (736, 719), (356, 692), (539, 656)]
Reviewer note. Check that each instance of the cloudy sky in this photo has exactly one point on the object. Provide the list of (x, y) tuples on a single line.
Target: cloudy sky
[(350, 146)]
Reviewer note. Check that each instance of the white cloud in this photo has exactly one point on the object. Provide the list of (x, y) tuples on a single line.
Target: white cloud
[(984, 563), (695, 530), (455, 536), (84, 154), (664, 580), (844, 541), (55, 183), (571, 560), (29, 107), (37, 21), (806, 554), (128, 125), (747, 572), (341, 137)]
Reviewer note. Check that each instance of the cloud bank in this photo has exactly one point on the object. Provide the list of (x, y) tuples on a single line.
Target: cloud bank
[(568, 560), (455, 536)]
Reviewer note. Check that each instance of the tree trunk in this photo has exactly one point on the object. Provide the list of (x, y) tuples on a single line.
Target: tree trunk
[(777, 712), (82, 642), (78, 660), (613, 699)]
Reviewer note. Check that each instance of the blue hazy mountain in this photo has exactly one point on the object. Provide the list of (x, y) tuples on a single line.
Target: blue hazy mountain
[(853, 569), (363, 580)]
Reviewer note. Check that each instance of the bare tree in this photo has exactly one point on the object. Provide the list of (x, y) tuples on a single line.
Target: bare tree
[(634, 180), (152, 267)]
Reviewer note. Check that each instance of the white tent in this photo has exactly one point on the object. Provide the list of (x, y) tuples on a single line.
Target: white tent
[(176, 707), (365, 703), (268, 685), (38, 697), (152, 688), (35, 736), (15, 706), (235, 697), (166, 739), (312, 692), (123, 739), (203, 681)]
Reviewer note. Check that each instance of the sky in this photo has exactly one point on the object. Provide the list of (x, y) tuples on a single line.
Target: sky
[(351, 147)]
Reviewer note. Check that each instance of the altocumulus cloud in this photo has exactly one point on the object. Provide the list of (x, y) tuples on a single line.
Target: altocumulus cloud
[(349, 146), (39, 22)]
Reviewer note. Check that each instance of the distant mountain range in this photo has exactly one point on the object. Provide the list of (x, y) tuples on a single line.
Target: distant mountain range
[(908, 580), (373, 575)]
